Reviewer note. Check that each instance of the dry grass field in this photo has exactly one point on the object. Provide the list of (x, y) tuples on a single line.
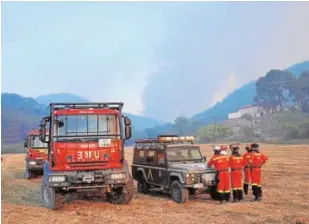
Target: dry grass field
[(285, 186)]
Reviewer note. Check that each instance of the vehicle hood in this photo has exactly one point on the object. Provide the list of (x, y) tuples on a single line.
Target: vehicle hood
[(190, 166)]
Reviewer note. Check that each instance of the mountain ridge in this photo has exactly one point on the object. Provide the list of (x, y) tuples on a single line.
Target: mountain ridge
[(21, 114), (240, 97)]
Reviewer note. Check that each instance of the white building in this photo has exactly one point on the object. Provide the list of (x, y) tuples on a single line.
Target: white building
[(253, 110)]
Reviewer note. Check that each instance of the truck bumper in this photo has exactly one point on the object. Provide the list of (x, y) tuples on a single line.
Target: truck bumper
[(86, 180), (34, 165)]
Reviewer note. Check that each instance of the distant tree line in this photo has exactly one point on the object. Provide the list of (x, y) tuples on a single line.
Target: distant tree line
[(278, 87)]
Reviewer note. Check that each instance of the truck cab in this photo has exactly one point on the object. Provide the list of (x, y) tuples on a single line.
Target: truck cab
[(86, 153), (172, 164), (36, 154)]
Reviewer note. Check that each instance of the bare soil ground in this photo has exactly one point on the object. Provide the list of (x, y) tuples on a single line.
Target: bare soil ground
[(285, 188)]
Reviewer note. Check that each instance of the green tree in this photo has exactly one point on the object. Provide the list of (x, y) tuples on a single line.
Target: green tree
[(304, 129), (291, 131), (223, 131), (181, 125), (300, 91), (206, 134), (209, 134), (273, 89)]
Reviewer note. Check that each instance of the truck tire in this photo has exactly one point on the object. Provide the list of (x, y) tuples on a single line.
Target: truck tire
[(142, 186), (28, 174), (49, 198), (179, 193), (123, 195)]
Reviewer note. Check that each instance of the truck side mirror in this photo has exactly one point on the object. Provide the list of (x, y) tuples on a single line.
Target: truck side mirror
[(128, 132), (127, 121), (43, 136), (26, 143), (205, 158)]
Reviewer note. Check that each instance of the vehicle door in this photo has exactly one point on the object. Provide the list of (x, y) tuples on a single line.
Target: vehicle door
[(150, 168), (162, 172)]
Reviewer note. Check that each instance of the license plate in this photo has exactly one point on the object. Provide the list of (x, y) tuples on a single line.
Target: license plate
[(88, 179), (105, 143)]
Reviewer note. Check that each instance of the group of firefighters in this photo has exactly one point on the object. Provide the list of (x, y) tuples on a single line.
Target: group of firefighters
[(239, 171)]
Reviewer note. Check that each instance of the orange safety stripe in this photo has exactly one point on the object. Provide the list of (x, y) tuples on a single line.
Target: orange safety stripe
[(221, 157), (228, 191), (237, 157)]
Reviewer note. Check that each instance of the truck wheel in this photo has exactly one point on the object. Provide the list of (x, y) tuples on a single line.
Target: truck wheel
[(142, 186), (122, 195), (28, 174), (49, 198), (179, 193)]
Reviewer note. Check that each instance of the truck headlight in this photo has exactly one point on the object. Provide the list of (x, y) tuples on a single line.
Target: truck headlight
[(117, 176), (32, 162), (190, 178), (56, 179)]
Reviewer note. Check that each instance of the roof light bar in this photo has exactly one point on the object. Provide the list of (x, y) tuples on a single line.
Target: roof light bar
[(180, 139)]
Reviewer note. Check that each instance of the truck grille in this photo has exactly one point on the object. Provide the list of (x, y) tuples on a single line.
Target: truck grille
[(98, 176), (87, 164), (198, 178)]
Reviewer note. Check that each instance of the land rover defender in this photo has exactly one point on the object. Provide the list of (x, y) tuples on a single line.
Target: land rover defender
[(172, 164)]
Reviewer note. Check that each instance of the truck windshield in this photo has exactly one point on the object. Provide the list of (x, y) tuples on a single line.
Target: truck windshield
[(88, 125), (183, 153), (35, 142)]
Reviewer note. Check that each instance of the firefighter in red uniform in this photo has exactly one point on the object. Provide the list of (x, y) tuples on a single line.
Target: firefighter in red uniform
[(247, 175), (236, 163), (257, 160), (221, 164)]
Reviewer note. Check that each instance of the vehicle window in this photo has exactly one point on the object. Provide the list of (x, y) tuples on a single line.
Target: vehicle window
[(161, 158), (92, 124), (107, 124), (75, 125), (35, 142), (139, 156), (183, 153), (81, 125), (151, 156)]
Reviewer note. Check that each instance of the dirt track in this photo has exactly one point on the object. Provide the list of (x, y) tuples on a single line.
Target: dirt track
[(286, 198)]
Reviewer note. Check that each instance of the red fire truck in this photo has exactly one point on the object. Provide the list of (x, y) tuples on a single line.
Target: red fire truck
[(36, 154), (86, 153)]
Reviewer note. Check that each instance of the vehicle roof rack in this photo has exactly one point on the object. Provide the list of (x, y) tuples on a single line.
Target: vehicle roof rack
[(109, 105), (159, 136), (167, 139)]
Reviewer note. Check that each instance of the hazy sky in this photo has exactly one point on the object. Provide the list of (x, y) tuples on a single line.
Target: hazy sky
[(161, 59)]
